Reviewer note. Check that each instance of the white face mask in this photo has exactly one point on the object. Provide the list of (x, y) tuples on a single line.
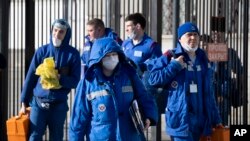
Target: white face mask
[(56, 42), (132, 35), (110, 62), (188, 48)]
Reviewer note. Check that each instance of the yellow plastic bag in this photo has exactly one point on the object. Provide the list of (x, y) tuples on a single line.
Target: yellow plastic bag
[(48, 74)]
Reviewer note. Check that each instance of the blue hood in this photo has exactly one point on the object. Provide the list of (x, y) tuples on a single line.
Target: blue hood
[(103, 46), (100, 48)]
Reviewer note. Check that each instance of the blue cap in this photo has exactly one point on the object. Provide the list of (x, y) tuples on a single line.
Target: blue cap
[(187, 27)]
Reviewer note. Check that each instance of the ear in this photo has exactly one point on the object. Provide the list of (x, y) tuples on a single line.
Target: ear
[(138, 26), (99, 29), (179, 39)]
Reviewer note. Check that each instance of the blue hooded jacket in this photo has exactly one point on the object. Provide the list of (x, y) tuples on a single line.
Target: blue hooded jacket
[(186, 111), (101, 106), (68, 63)]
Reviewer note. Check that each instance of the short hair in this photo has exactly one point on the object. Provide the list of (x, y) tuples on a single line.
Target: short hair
[(96, 23), (137, 18), (61, 23)]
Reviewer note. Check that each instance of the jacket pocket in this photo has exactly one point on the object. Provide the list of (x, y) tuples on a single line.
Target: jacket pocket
[(104, 109)]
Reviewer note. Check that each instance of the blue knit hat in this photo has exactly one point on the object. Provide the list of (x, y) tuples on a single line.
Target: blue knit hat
[(187, 27)]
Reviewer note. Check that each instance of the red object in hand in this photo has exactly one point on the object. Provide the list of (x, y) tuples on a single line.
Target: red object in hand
[(169, 54)]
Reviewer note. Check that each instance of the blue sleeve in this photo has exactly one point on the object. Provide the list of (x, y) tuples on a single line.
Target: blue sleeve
[(119, 40), (31, 79), (71, 80), (156, 50), (86, 52), (115, 37), (162, 71), (81, 114)]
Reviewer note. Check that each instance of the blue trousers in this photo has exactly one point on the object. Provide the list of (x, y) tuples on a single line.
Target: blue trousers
[(54, 118)]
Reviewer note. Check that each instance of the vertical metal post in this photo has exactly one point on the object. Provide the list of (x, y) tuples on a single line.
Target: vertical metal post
[(245, 62), (187, 10), (155, 30), (176, 21), (66, 9), (115, 16), (30, 33), (108, 13), (4, 24), (156, 20)]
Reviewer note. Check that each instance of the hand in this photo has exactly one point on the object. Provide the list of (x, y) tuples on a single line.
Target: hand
[(220, 126), (58, 76), (208, 138), (220, 99), (205, 138), (147, 124), (23, 109), (180, 59)]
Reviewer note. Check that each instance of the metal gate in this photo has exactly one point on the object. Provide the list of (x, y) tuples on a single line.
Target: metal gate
[(28, 26)]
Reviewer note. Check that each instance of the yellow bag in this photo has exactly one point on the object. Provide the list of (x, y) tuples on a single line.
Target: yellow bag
[(18, 127), (48, 74), (219, 134)]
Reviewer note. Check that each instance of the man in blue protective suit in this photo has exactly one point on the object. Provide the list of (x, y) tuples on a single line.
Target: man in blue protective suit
[(96, 30), (48, 101), (186, 75), (103, 97), (139, 47)]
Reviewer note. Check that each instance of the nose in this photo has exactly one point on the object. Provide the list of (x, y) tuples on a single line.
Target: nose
[(56, 34), (126, 29), (192, 36)]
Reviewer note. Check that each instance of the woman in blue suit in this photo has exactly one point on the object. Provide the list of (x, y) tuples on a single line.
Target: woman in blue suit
[(104, 95)]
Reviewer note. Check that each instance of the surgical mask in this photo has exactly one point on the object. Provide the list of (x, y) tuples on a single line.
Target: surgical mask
[(132, 35), (56, 42), (110, 62), (188, 48)]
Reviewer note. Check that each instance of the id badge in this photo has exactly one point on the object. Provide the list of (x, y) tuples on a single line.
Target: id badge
[(138, 53), (193, 88)]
